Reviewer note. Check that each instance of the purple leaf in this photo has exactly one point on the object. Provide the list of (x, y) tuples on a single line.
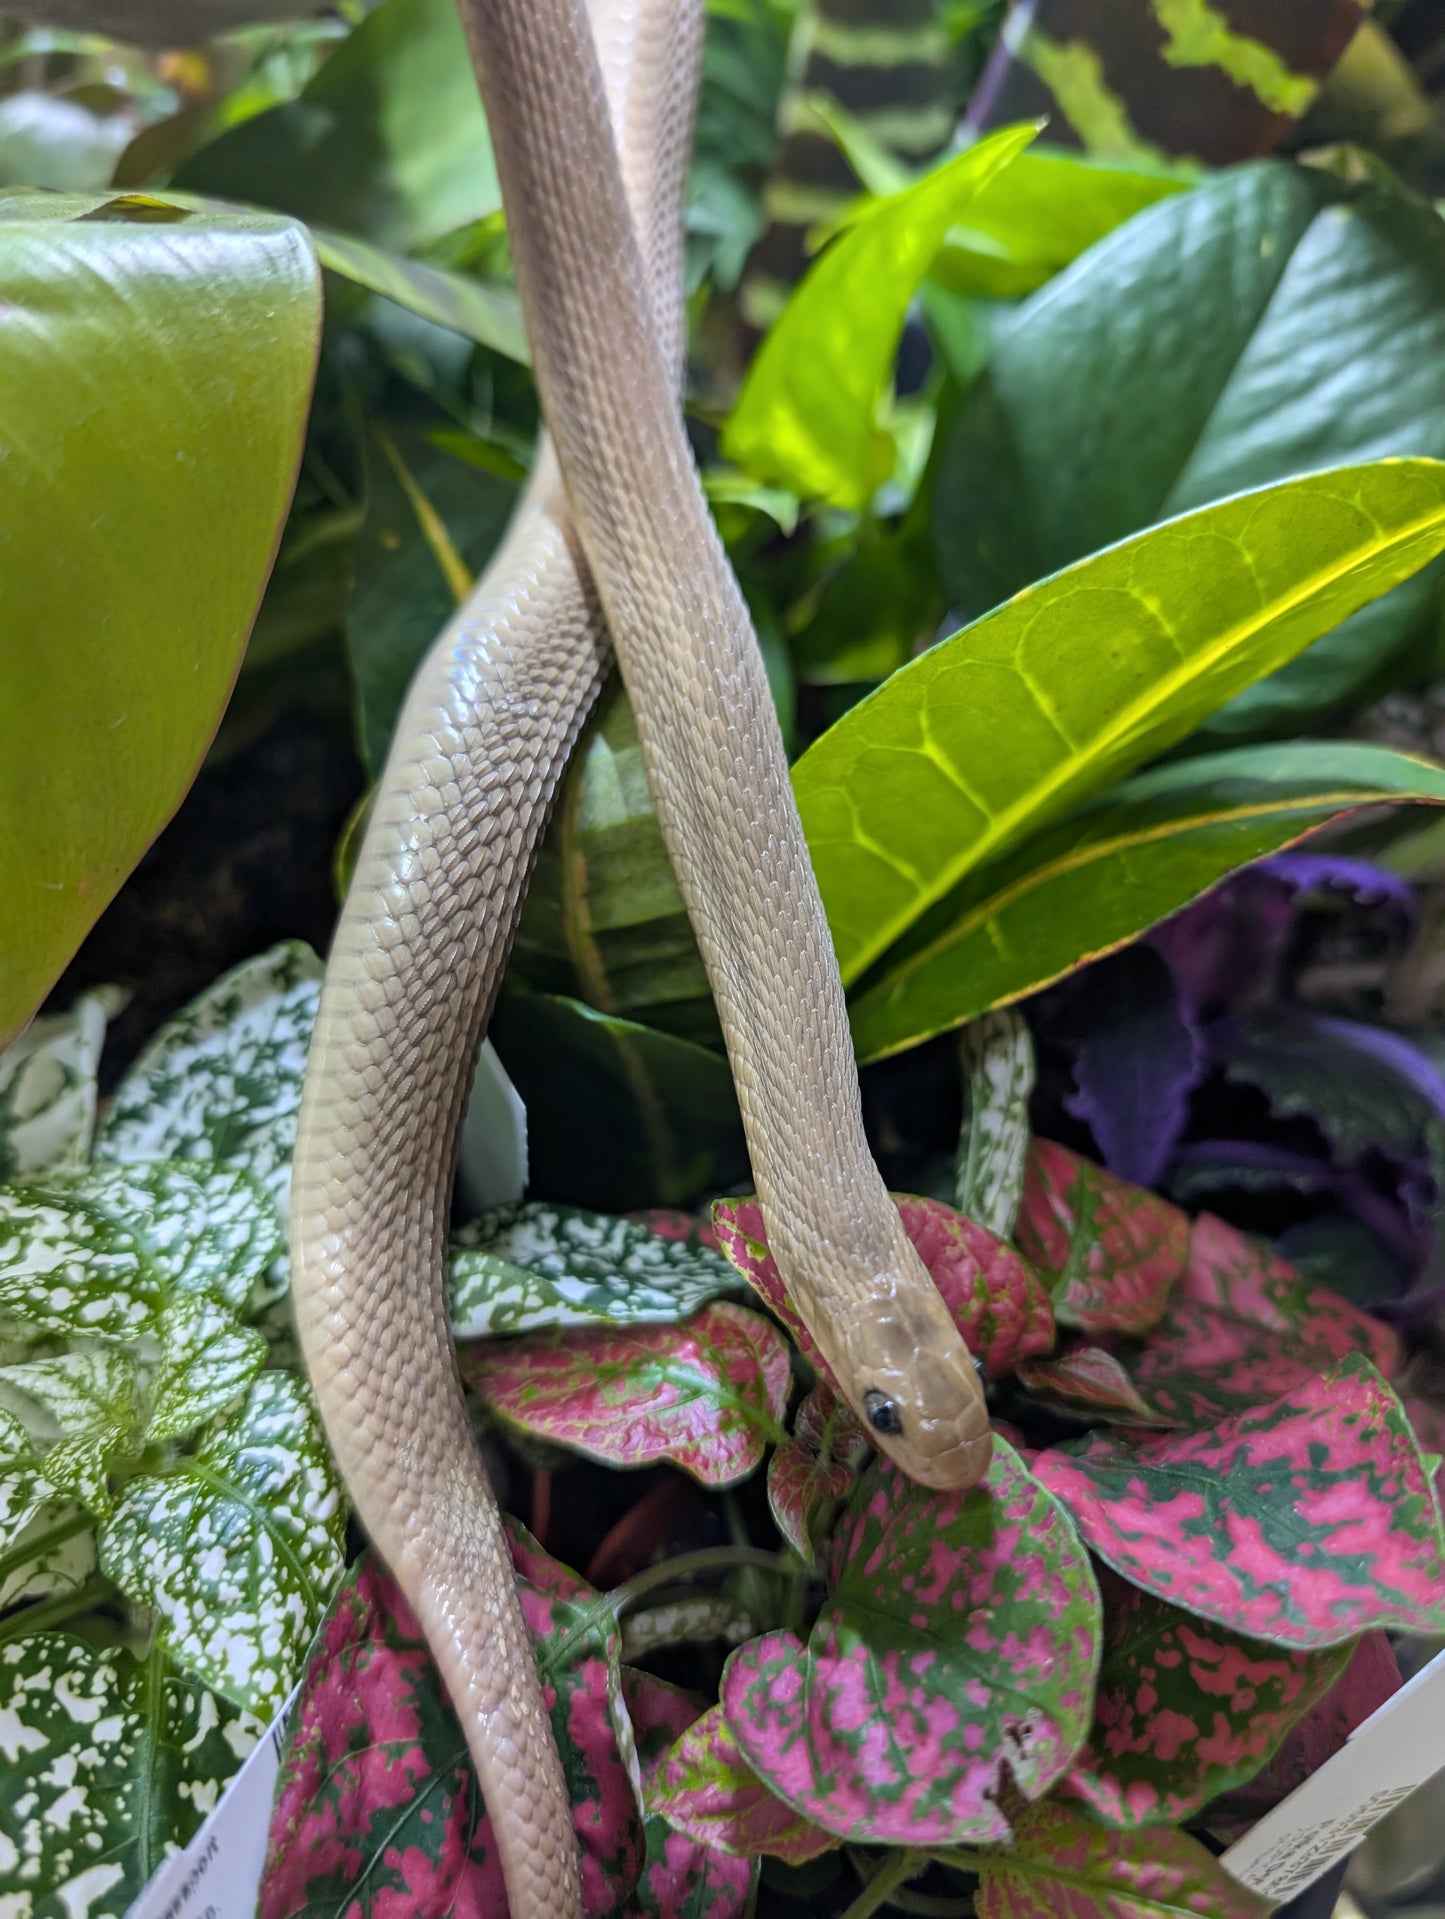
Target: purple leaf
[(959, 1643), (1366, 884)]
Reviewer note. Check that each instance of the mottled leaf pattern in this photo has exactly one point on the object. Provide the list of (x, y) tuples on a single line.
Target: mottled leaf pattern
[(1115, 1251), (238, 1546), (1304, 1522), (1091, 1384), (67, 1267), (52, 1552), (818, 1462), (707, 1395), (961, 1636), (1185, 1709), (87, 1403), (1065, 1867), (47, 1089), (998, 1066), (207, 1362), (106, 1761), (519, 1269), (706, 1789)]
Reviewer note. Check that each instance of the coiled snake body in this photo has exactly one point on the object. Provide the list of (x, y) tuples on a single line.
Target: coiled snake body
[(479, 750)]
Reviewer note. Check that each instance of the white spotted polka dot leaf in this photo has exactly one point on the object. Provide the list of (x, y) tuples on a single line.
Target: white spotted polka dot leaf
[(222, 1080), (237, 1547), (107, 1764), (47, 1089), (46, 1543), (527, 1268), (66, 1267), (82, 1409), (207, 1362)]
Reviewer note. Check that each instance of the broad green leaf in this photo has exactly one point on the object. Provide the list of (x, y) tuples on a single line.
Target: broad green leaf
[(1276, 322), (222, 1080), (998, 1064), (521, 1269), (1115, 868), (47, 1089), (155, 381), (1045, 702), (807, 415), (388, 140), (111, 1763), (237, 1546), (488, 312)]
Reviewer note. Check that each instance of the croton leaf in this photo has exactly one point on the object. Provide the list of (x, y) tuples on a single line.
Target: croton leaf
[(519, 1269), (998, 1062), (818, 1462), (222, 1080), (237, 1546), (707, 1395), (1092, 1384), (109, 1762), (1305, 1522), (1063, 1866), (999, 1305), (706, 1789), (1185, 1709), (47, 1089), (1117, 1251), (960, 1639), (377, 1809)]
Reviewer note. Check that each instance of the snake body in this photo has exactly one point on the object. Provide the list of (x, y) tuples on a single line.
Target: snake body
[(418, 954)]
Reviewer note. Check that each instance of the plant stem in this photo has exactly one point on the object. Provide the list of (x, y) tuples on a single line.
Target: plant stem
[(686, 1565), (894, 1872)]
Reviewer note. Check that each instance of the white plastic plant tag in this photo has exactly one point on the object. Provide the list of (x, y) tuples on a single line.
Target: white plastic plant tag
[(1396, 1750), (218, 1876)]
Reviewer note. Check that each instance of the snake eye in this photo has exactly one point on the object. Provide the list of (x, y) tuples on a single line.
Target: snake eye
[(882, 1413), (982, 1371)]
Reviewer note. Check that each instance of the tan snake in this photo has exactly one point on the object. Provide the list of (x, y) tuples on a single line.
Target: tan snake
[(418, 955)]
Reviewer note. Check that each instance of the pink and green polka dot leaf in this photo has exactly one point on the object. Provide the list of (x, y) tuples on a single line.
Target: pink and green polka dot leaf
[(1201, 1365), (1113, 1252), (958, 1644), (1185, 1709), (1091, 1384), (1304, 1522), (708, 1394), (1001, 1308), (377, 1810), (682, 1877), (706, 1789), (1063, 1866), (816, 1467)]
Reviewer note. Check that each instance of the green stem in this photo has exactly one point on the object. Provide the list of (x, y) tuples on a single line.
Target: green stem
[(894, 1872), (706, 1559), (54, 1612), (28, 1549)]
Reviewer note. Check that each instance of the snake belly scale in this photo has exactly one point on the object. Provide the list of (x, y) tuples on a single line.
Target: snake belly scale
[(591, 136)]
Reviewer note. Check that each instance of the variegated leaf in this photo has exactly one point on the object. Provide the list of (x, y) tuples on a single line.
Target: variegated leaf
[(707, 1395), (53, 1552), (238, 1546), (1185, 1709), (707, 1616), (817, 1464), (521, 1269), (998, 1067), (108, 1763), (960, 1639), (207, 1362), (1113, 1251), (681, 1879), (222, 1080), (82, 1411), (1063, 1866), (704, 1788), (68, 1267), (47, 1089), (1090, 1383), (1304, 1523)]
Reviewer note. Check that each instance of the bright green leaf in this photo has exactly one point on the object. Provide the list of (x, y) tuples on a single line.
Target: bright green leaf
[(487, 312), (1115, 868), (154, 381), (807, 416), (1045, 702)]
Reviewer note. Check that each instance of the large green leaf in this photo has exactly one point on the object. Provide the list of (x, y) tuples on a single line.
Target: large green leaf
[(1272, 322), (388, 140), (1109, 871), (154, 380), (993, 733), (807, 415)]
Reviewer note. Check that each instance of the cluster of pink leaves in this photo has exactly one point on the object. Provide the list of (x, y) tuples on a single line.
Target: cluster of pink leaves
[(1251, 1500)]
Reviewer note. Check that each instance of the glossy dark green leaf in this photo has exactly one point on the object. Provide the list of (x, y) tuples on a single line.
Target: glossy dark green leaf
[(1270, 323), (1109, 871), (154, 380), (488, 312), (1045, 702)]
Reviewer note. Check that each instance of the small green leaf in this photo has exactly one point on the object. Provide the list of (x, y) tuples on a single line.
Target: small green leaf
[(998, 1063), (1078, 680), (1115, 868), (520, 1269), (488, 312), (47, 1089), (238, 1546), (807, 416)]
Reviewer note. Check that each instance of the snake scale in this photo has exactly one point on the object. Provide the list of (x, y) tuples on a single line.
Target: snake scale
[(613, 521)]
